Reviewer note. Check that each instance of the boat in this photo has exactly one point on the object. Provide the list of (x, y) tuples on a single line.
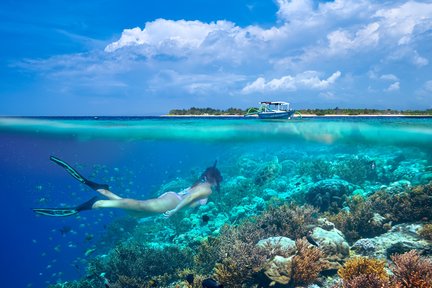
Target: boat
[(272, 110)]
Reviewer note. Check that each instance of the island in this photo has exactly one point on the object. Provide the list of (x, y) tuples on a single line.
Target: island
[(194, 111)]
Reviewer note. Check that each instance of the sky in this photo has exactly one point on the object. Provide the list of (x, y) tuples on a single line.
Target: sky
[(144, 57)]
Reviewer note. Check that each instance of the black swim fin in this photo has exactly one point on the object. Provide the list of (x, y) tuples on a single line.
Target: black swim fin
[(74, 173), (63, 212)]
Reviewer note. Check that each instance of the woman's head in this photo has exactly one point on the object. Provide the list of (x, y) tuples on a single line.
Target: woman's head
[(211, 175)]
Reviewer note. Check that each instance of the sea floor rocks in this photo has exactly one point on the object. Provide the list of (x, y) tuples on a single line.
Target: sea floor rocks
[(279, 270), (400, 239), (285, 244), (333, 243)]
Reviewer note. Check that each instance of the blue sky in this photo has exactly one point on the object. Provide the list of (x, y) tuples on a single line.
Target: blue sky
[(147, 57)]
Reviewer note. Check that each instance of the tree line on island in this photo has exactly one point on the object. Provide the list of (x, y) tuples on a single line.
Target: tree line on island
[(318, 112)]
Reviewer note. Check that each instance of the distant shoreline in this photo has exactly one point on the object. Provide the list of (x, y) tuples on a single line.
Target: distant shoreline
[(303, 116)]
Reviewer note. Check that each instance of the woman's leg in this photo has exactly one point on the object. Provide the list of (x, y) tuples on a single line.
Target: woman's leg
[(110, 195), (159, 205)]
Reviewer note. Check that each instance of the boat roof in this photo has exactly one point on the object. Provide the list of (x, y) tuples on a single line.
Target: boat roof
[(274, 102)]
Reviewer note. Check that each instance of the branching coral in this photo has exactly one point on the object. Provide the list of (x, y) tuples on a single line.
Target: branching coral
[(414, 204), (287, 220), (411, 271), (358, 222), (208, 254), (365, 281), (307, 263), (132, 261), (359, 266), (241, 257)]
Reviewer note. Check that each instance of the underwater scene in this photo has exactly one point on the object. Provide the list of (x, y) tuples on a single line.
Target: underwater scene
[(313, 202)]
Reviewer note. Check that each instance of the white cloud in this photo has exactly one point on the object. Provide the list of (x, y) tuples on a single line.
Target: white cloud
[(340, 41), (161, 34), (428, 86), (389, 77), (290, 10), (305, 80), (363, 38), (400, 22), (393, 87)]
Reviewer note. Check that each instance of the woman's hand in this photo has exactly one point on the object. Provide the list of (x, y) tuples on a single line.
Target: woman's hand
[(169, 213)]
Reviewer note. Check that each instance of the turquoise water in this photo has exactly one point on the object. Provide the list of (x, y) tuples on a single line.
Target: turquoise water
[(142, 157)]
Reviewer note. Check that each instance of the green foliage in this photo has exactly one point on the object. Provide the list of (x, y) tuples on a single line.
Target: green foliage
[(206, 111), (317, 112)]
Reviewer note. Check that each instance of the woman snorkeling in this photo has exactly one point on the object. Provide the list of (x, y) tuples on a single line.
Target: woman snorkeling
[(168, 203)]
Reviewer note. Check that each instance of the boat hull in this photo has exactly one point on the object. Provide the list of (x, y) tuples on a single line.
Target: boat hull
[(276, 115)]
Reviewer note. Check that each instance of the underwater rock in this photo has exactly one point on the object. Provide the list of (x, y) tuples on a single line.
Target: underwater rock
[(364, 247), (333, 244), (256, 204), (259, 203), (398, 186), (424, 178), (325, 224), (269, 193), (405, 171), (289, 167), (279, 270), (329, 193), (401, 238), (284, 243)]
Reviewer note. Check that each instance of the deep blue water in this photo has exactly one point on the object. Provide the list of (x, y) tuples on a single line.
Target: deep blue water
[(136, 156)]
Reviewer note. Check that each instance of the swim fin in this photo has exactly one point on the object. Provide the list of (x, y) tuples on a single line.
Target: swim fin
[(63, 212), (74, 173)]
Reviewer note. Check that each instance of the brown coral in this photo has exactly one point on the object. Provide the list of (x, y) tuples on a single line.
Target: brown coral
[(411, 271), (362, 266), (307, 263), (359, 221), (363, 281), (426, 231), (288, 220)]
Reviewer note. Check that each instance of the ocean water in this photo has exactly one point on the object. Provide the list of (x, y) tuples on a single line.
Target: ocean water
[(137, 156)]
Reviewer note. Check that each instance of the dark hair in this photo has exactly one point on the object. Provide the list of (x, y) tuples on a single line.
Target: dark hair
[(211, 175)]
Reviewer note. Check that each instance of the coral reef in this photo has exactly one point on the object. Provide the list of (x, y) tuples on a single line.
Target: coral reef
[(356, 169), (317, 169), (410, 270), (359, 266), (307, 263), (267, 172), (333, 245), (426, 232), (329, 194), (360, 220), (255, 233)]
